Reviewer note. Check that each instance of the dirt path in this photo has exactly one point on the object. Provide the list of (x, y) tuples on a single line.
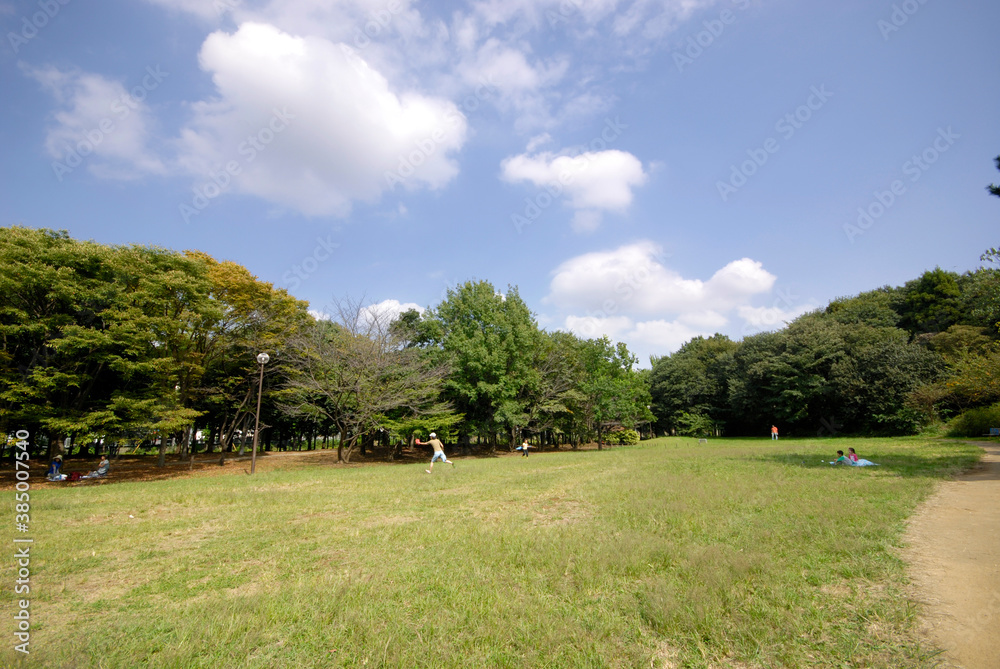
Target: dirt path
[(954, 556)]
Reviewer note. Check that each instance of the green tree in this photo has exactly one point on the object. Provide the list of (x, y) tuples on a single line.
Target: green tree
[(253, 317), (360, 375), (694, 379), (614, 393), (874, 308), (931, 303), (87, 347), (490, 342)]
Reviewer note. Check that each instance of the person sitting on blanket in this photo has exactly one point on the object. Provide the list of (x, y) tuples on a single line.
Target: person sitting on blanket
[(858, 462), (54, 467), (102, 468), (841, 459)]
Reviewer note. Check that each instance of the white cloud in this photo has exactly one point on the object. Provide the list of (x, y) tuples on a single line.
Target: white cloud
[(586, 220), (762, 319), (592, 182), (630, 294), (592, 327), (661, 336), (388, 310), (635, 276), (538, 140), (329, 128), (100, 123)]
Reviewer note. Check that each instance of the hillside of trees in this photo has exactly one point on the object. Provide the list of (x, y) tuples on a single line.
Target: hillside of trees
[(110, 346)]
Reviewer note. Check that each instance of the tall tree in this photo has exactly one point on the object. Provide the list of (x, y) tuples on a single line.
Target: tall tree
[(254, 317), (358, 373), (490, 341), (615, 394), (693, 380)]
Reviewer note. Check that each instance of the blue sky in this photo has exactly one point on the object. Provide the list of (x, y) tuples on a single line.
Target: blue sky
[(650, 170)]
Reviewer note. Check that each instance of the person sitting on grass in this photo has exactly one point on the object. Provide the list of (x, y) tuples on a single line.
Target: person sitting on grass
[(102, 469), (438, 452), (54, 467), (841, 459)]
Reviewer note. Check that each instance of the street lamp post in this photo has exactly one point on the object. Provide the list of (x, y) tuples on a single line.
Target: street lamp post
[(262, 359)]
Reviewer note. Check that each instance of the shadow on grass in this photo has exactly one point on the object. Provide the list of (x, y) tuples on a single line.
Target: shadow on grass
[(938, 466)]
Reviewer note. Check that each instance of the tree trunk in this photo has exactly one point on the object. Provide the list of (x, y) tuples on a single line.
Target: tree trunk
[(243, 437), (161, 460)]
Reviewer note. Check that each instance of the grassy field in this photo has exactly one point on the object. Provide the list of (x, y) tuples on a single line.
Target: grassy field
[(739, 553)]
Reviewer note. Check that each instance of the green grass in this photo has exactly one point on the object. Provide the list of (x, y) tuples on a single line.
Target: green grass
[(741, 553)]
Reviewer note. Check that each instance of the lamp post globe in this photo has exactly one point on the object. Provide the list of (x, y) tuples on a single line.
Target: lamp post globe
[(263, 359)]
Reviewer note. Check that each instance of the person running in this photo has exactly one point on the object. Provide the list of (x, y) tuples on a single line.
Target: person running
[(774, 433), (524, 448), (438, 452)]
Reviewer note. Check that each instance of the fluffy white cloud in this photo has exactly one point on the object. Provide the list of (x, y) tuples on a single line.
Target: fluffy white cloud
[(592, 182), (309, 124), (100, 123), (634, 277), (630, 294)]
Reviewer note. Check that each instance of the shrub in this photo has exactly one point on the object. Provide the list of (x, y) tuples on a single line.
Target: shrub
[(975, 422), (622, 438), (628, 437), (694, 425)]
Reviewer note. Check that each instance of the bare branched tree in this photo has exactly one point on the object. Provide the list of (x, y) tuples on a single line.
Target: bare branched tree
[(356, 370)]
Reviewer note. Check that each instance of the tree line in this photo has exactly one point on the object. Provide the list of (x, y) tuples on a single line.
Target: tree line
[(888, 361), (110, 345), (103, 345)]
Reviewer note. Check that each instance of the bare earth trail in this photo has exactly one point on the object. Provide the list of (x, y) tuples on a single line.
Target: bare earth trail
[(953, 549)]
